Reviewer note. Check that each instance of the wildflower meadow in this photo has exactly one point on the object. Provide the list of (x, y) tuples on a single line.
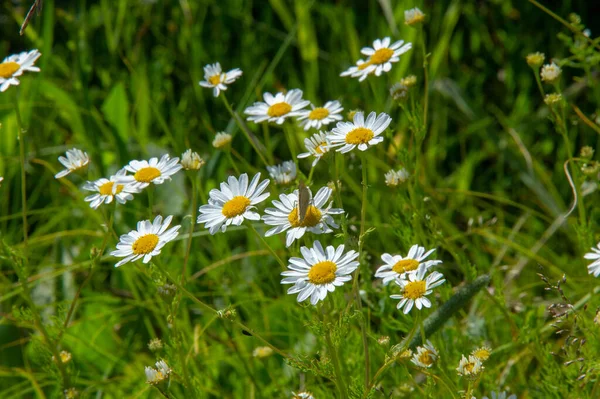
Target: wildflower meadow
[(299, 199)]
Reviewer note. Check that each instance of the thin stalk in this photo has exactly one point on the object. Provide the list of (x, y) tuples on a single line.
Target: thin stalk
[(338, 192), (150, 191), (243, 128), (23, 176), (291, 142), (219, 314), (262, 239), (194, 180), (310, 174), (425, 80), (339, 381), (232, 162), (422, 329)]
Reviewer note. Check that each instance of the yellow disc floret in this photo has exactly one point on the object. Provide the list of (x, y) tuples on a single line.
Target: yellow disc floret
[(235, 206), (322, 272)]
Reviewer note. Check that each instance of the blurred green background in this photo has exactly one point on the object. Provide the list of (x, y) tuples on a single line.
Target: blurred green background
[(119, 80)]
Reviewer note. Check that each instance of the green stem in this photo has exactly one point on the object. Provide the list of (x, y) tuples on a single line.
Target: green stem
[(194, 180), (150, 191), (310, 175), (232, 162), (426, 81), (243, 128), (23, 176), (338, 193), (422, 329), (291, 141), (262, 239), (339, 381)]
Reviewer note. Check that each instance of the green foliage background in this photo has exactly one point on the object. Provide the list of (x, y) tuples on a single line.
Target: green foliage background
[(119, 79)]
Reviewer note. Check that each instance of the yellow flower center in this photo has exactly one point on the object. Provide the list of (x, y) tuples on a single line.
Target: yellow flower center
[(235, 206), (147, 174), (7, 69), (145, 244), (415, 290), (381, 56), (318, 114), (482, 354), (360, 135), (322, 272), (405, 265), (427, 357), (362, 66), (469, 367), (107, 188), (279, 109), (312, 217), (321, 148), (214, 80)]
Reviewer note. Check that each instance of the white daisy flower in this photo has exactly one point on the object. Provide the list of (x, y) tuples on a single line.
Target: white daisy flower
[(302, 395), (469, 367), (415, 287), (359, 133), (482, 353), (277, 108), (501, 395), (426, 355), (317, 220), (361, 70), (158, 375), (319, 271), (550, 73), (13, 66), (217, 79), (321, 116), (145, 242), (108, 189), (413, 16), (381, 56), (317, 145), (283, 174), (222, 140), (75, 160), (594, 267), (394, 178), (191, 160), (152, 171), (233, 203), (397, 265)]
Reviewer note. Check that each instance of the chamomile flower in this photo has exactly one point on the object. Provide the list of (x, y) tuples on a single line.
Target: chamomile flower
[(14, 65), (470, 367), (233, 203), (321, 116), (381, 56), (277, 108), (190, 160), (302, 395), (65, 357), (594, 267), (426, 356), (152, 171), (397, 265), (482, 353), (75, 160), (319, 271), (145, 242), (283, 174), (222, 140), (394, 178), (217, 79), (359, 133), (501, 395), (317, 146), (262, 351), (317, 220), (415, 287), (108, 189), (413, 16), (550, 73), (158, 375)]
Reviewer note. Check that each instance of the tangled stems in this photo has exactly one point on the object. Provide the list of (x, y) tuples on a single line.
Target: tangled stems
[(243, 128), (214, 312), (194, 180), (339, 380), (425, 79)]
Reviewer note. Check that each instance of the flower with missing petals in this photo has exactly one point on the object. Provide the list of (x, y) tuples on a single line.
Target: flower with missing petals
[(283, 174), (105, 190), (317, 145), (75, 160), (413, 16), (426, 356)]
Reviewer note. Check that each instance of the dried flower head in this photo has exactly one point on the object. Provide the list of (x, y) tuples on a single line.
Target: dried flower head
[(190, 160), (550, 73), (470, 367), (552, 98), (222, 140), (155, 344), (262, 351), (483, 353), (413, 16)]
